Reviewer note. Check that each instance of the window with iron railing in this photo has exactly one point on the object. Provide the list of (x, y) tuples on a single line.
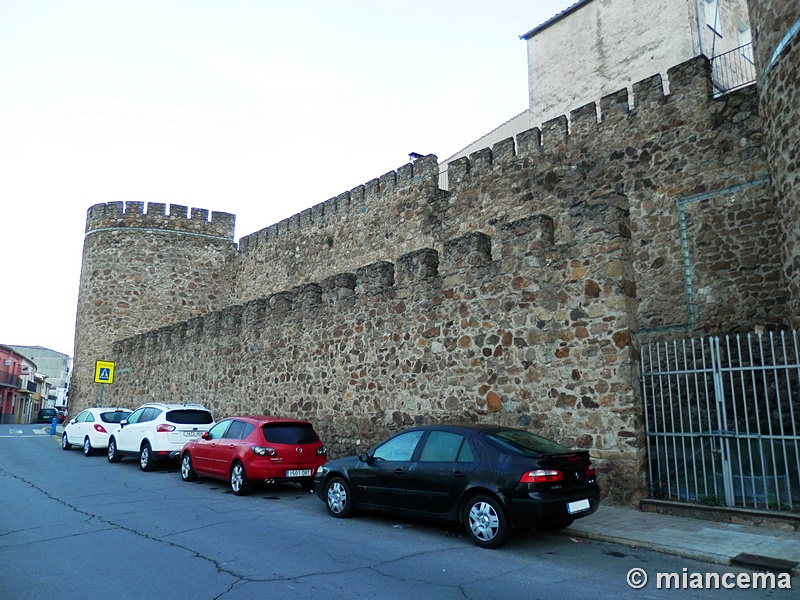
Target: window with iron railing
[(733, 69), (10, 379), (444, 184)]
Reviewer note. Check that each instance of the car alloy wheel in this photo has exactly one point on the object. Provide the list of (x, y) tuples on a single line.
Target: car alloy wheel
[(485, 522), (65, 445), (240, 485), (146, 457), (87, 447), (338, 499), (187, 472), (113, 455)]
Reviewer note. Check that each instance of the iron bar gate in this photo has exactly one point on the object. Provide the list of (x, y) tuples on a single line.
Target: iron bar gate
[(721, 418)]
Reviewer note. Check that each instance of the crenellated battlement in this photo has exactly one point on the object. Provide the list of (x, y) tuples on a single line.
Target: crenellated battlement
[(689, 83), (524, 247), (381, 191), (649, 108), (154, 216)]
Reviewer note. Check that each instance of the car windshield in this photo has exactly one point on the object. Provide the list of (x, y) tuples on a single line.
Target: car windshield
[(525, 443), (188, 416), (115, 417), (290, 433)]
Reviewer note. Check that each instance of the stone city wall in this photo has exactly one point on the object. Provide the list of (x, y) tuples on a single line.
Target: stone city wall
[(523, 329), (344, 315)]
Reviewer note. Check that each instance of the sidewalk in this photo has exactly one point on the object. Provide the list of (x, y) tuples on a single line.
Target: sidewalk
[(758, 548)]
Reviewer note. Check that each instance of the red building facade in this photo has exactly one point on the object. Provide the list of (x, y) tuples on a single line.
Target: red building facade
[(10, 383)]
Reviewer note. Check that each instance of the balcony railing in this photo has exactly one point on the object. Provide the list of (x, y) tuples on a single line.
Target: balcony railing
[(10, 380), (444, 184), (733, 69)]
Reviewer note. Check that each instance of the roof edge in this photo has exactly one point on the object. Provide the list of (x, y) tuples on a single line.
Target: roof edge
[(554, 19)]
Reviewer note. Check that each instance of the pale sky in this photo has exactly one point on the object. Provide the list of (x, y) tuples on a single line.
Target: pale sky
[(258, 108)]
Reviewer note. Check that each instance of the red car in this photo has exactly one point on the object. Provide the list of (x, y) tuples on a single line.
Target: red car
[(244, 450)]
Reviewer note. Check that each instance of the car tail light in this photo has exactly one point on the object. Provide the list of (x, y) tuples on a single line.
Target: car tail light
[(165, 428), (99, 428), (322, 451), (541, 476), (263, 451), (590, 472)]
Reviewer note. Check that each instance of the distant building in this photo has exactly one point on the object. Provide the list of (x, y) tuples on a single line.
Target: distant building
[(593, 49), (18, 387), (56, 367)]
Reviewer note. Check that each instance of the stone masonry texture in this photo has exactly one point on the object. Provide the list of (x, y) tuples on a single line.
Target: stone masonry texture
[(776, 39), (518, 296)]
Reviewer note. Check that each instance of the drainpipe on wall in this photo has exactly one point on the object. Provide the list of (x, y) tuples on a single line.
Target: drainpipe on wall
[(699, 19)]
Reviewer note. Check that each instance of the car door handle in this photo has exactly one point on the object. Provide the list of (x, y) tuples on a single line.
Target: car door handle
[(399, 471), (458, 474)]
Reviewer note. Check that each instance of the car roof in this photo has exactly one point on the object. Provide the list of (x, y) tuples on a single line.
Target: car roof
[(265, 419), (169, 406), (474, 427), (107, 409)]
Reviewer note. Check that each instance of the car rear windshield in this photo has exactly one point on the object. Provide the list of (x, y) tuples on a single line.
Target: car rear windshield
[(525, 443), (114, 417), (189, 416), (290, 433)]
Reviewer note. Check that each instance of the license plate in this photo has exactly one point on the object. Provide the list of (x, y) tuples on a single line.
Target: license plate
[(191, 433), (577, 506), (299, 473)]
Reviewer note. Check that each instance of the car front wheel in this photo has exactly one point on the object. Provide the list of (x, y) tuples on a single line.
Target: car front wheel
[(146, 457), (65, 445), (187, 472), (240, 484), (87, 447), (486, 522), (338, 499), (113, 455)]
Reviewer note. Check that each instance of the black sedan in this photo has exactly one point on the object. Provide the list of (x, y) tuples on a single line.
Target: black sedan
[(492, 479)]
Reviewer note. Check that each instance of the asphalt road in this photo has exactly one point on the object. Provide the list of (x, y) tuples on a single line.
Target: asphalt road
[(73, 527)]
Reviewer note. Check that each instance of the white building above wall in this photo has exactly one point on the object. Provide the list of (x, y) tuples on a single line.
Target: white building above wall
[(595, 48)]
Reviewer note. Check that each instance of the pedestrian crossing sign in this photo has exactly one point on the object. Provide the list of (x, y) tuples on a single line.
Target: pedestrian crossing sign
[(103, 372)]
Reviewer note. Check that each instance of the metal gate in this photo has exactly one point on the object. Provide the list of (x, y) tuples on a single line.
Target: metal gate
[(721, 418)]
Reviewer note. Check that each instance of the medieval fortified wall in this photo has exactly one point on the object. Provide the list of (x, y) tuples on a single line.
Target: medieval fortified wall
[(519, 296)]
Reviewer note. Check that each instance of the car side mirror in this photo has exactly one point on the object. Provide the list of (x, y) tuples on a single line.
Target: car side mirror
[(205, 435), (123, 422), (364, 457), (72, 422)]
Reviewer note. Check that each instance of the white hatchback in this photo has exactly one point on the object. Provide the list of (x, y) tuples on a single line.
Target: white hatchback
[(91, 428), (158, 431)]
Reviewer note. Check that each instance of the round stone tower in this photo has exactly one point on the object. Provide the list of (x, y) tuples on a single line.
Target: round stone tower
[(144, 270), (776, 41)]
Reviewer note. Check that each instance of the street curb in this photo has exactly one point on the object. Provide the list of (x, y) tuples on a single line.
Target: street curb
[(719, 559)]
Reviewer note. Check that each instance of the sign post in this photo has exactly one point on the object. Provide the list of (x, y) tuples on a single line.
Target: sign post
[(103, 374)]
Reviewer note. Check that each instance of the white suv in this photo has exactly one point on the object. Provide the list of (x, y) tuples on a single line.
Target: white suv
[(157, 431)]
